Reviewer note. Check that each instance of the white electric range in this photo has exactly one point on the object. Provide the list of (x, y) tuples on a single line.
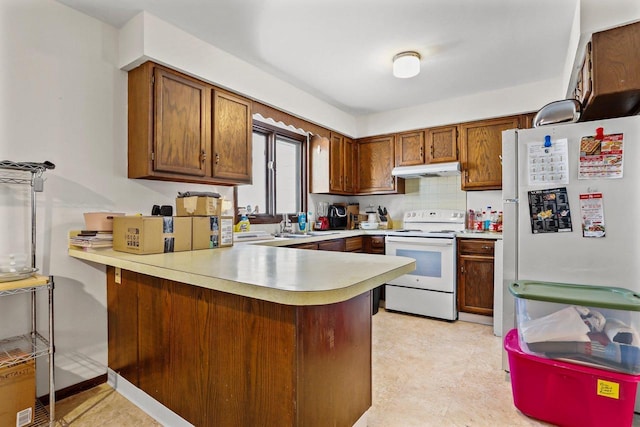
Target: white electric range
[(429, 237)]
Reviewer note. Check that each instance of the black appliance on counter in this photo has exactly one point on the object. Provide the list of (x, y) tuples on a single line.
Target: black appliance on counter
[(337, 217)]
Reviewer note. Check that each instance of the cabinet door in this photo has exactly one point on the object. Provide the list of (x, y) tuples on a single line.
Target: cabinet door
[(349, 165), (180, 123), (336, 167), (375, 161), (475, 285), (374, 245), (481, 148), (476, 276), (122, 324), (232, 132), (442, 144), (409, 148), (354, 244)]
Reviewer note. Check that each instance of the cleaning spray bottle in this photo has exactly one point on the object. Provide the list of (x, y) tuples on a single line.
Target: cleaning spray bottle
[(244, 224)]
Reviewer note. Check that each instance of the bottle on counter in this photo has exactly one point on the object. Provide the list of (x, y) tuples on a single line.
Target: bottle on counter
[(486, 216), (471, 219), (479, 221), (494, 221), (500, 222)]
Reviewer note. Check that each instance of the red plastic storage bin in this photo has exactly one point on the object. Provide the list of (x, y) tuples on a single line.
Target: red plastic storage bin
[(568, 394)]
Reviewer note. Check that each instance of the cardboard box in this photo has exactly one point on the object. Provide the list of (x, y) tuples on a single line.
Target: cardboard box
[(151, 234), (205, 232), (17, 394), (198, 206), (210, 232), (226, 231)]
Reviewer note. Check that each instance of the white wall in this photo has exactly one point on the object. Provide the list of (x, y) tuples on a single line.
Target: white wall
[(63, 99), (504, 102)]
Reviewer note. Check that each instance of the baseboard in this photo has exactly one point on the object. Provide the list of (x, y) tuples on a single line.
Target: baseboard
[(75, 389), (146, 403), (475, 318)]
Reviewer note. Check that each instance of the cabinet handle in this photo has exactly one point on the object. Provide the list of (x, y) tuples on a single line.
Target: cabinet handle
[(203, 156), (486, 247), (432, 152), (421, 152), (217, 158)]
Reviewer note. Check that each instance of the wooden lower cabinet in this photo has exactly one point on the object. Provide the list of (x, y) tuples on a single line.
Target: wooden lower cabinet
[(354, 244), (475, 276), (337, 245), (218, 359), (374, 245), (122, 324)]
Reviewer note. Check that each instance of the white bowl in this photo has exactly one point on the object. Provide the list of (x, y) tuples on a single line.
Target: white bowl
[(369, 225)]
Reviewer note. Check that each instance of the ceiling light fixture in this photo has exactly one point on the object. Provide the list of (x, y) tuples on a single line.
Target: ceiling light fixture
[(406, 64)]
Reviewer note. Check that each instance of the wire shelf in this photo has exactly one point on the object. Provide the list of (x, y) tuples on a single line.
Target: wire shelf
[(41, 417), (22, 348), (23, 172)]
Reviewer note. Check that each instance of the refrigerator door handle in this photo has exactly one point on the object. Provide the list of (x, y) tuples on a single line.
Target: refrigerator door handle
[(511, 201)]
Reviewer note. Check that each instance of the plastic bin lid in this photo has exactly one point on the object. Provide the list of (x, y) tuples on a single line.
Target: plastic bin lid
[(566, 293)]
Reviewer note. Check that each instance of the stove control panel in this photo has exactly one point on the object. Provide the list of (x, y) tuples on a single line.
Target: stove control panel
[(435, 215)]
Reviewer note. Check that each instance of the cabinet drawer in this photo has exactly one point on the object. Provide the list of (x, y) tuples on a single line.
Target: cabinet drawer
[(476, 247), (377, 242), (332, 245), (354, 244)]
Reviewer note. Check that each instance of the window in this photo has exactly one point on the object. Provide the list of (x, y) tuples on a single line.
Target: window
[(279, 175)]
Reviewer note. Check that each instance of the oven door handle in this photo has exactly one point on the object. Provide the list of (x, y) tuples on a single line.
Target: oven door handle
[(422, 241)]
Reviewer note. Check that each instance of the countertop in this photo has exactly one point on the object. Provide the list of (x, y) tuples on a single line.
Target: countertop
[(259, 270), (317, 236), (479, 235)]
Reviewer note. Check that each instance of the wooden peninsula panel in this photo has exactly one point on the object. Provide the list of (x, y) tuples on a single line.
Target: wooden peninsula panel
[(219, 359)]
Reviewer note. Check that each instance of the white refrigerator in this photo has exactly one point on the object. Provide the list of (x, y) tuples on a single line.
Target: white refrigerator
[(602, 191)]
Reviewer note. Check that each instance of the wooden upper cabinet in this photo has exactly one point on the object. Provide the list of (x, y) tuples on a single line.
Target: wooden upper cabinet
[(410, 148), (526, 120), (336, 166), (171, 128), (442, 144), (332, 164), (319, 164), (232, 137), (480, 151), (376, 159), (180, 141), (349, 160), (608, 83)]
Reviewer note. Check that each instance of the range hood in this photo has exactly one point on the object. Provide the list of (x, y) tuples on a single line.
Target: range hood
[(431, 170)]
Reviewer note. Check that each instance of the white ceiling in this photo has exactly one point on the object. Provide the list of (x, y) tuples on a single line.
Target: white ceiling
[(341, 50)]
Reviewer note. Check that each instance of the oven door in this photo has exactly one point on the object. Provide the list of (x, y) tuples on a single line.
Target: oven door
[(435, 262)]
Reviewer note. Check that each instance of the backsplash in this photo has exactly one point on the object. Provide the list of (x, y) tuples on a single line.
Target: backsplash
[(421, 193)]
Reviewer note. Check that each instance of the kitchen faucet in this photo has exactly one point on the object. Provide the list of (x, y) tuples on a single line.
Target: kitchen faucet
[(285, 225)]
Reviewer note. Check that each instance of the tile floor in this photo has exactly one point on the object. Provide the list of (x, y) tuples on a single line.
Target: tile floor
[(425, 373)]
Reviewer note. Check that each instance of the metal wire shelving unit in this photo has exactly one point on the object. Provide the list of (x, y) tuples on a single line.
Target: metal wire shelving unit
[(31, 345)]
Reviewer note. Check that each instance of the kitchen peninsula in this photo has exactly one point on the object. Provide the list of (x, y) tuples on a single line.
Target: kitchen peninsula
[(248, 335)]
